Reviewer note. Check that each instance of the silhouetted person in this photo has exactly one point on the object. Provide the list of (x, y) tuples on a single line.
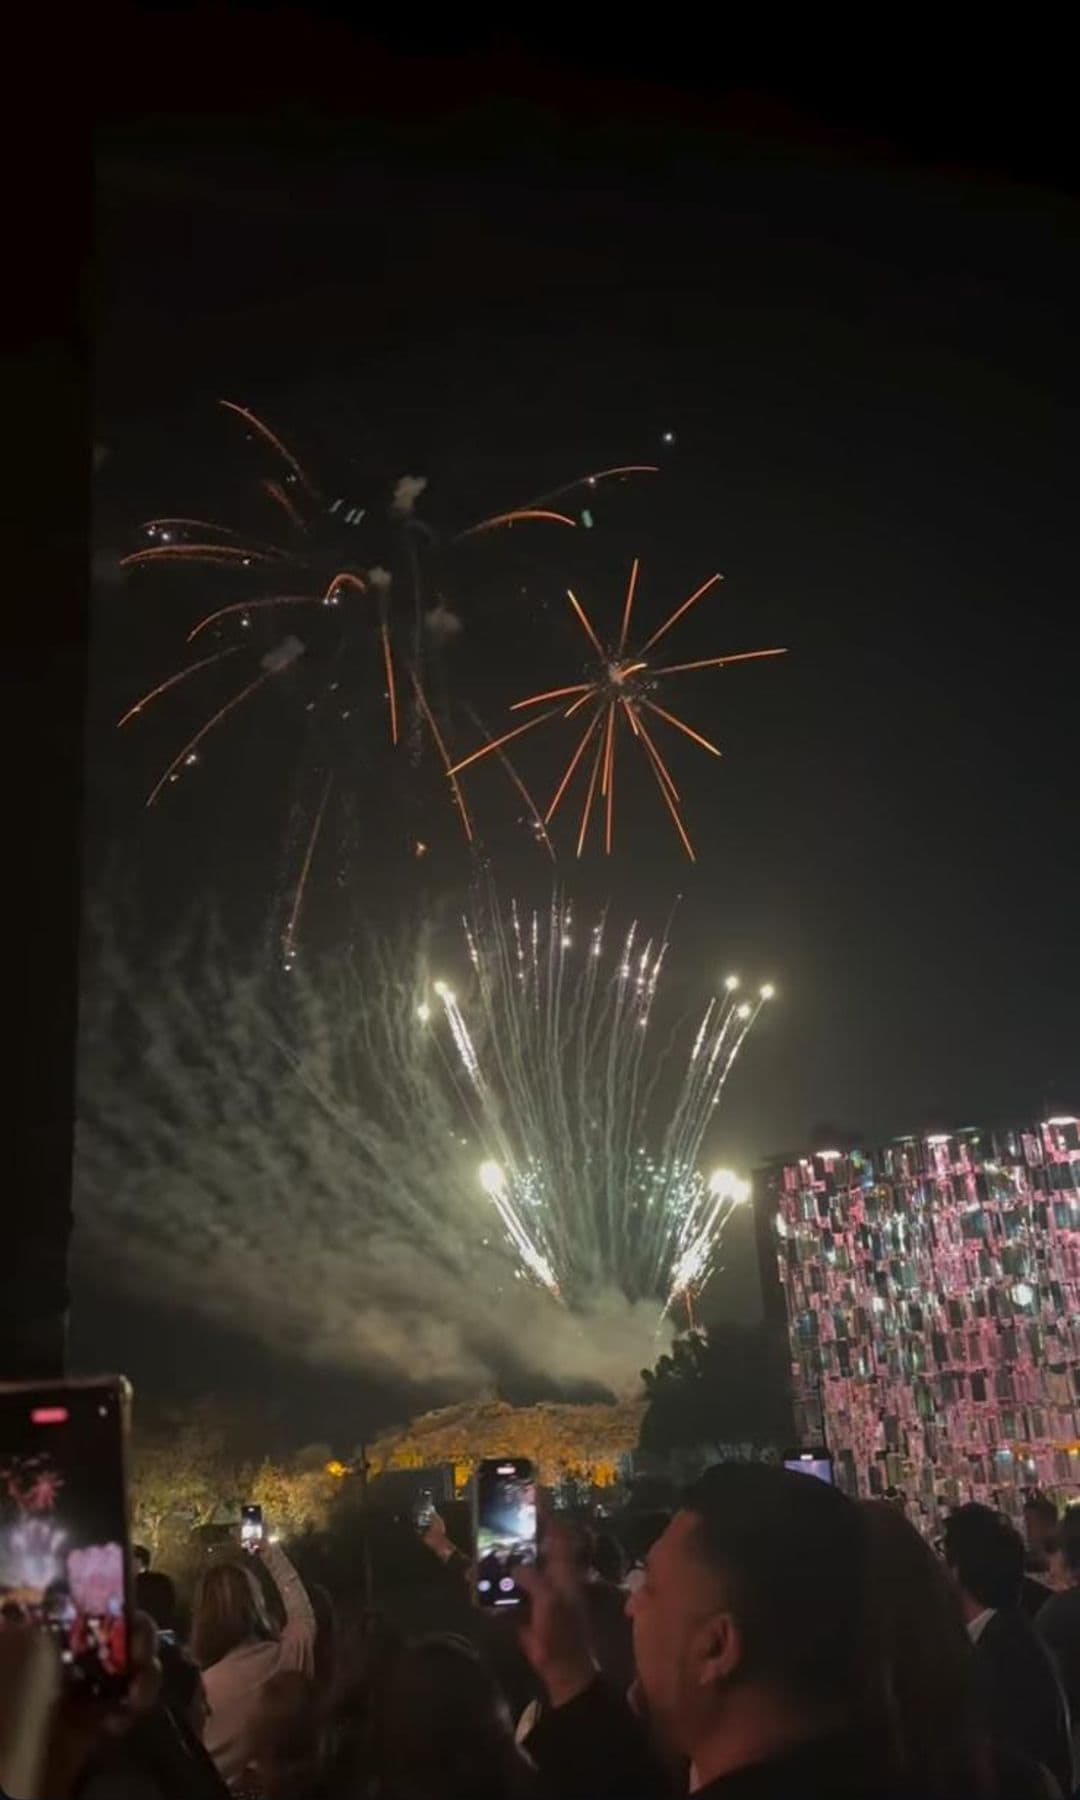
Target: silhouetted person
[(155, 1595), (1058, 1621), (1040, 1540), (445, 1732), (1019, 1687)]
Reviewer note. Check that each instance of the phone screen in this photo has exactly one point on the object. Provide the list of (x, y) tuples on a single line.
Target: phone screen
[(810, 1462), (423, 1509), (251, 1526), (505, 1527), (64, 1554)]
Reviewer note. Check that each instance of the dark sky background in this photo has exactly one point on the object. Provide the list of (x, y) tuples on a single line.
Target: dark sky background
[(499, 273)]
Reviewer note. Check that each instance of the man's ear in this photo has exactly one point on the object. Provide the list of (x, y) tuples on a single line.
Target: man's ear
[(720, 1650)]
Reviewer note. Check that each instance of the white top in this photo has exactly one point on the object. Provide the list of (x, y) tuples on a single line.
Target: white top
[(978, 1624), (234, 1684)]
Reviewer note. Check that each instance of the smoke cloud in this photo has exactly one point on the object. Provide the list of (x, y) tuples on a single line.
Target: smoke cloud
[(442, 623), (407, 492), (277, 1155), (282, 655)]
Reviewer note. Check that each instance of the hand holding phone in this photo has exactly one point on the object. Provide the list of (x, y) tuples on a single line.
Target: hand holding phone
[(64, 1550), (505, 1500), (252, 1530)]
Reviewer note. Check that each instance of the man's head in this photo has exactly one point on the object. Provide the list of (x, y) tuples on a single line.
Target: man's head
[(1040, 1527), (751, 1610), (140, 1556), (986, 1556)]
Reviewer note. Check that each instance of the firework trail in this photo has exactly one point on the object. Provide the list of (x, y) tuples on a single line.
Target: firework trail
[(368, 630), (615, 697), (284, 1157), (593, 1132)]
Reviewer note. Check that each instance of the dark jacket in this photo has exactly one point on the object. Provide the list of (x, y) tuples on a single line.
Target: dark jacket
[(594, 1749), (1021, 1695), (1058, 1624)]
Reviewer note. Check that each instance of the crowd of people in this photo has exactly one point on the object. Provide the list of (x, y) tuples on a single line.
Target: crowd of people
[(770, 1637)]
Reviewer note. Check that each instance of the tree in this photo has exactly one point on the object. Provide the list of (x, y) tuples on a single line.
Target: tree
[(182, 1470), (718, 1389)]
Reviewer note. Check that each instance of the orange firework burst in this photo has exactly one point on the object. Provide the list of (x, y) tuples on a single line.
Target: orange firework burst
[(619, 698), (324, 553)]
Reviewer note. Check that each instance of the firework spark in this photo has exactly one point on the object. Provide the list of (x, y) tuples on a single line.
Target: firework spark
[(592, 1136), (618, 694), (286, 1157), (371, 618)]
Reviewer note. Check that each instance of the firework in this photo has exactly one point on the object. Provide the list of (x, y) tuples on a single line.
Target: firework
[(288, 1158), (319, 561), (593, 1134), (614, 700)]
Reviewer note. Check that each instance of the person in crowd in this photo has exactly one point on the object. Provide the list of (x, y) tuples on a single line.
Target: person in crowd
[(160, 1755), (640, 1533), (755, 1665), (367, 1647), (605, 1611), (607, 1558), (1020, 1692), (282, 1743), (238, 1649), (322, 1606), (140, 1559), (1040, 1540), (1058, 1621), (603, 1608), (444, 1731), (155, 1595), (929, 1713)]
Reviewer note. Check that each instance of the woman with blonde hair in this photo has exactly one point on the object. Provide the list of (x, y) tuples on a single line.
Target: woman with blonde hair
[(239, 1650)]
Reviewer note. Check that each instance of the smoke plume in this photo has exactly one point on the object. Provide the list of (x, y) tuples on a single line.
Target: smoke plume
[(277, 1155)]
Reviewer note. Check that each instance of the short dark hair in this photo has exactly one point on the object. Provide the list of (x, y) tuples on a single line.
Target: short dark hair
[(1040, 1506), (793, 1551), (156, 1595), (986, 1554)]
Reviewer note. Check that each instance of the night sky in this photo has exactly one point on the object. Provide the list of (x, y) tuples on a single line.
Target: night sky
[(867, 364)]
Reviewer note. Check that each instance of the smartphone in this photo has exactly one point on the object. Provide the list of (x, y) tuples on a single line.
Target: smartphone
[(816, 1462), (65, 1557), (251, 1526), (423, 1509), (505, 1500)]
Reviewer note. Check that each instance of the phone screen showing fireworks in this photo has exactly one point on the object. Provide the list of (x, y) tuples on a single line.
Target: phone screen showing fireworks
[(505, 1527), (64, 1562), (251, 1526)]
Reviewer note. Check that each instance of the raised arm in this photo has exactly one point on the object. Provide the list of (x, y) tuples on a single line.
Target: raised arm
[(297, 1641)]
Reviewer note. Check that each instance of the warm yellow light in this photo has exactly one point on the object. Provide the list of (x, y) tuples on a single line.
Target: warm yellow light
[(767, 991), (731, 982)]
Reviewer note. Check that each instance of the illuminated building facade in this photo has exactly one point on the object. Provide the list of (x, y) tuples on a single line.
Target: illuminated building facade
[(930, 1292)]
